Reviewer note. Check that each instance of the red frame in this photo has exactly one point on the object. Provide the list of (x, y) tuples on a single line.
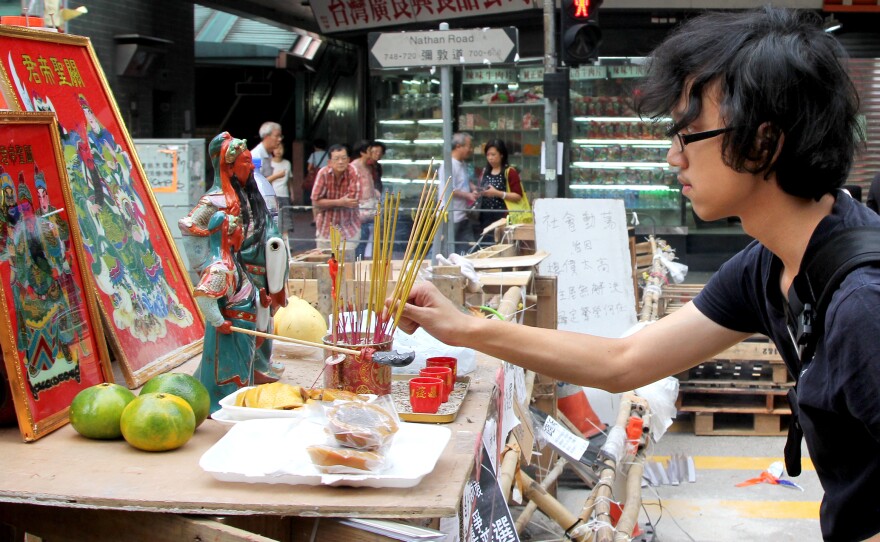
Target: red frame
[(50, 327), (120, 221)]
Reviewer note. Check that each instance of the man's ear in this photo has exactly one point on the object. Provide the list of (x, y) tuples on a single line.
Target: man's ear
[(768, 140)]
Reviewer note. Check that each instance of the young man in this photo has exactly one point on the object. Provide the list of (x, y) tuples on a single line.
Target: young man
[(764, 129), (336, 195), (464, 193)]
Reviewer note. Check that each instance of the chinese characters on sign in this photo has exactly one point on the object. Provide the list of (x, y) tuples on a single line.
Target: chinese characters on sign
[(345, 15), (52, 71), (442, 47), (486, 515), (16, 154), (589, 255)]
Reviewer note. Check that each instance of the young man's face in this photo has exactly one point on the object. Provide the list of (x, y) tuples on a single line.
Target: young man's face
[(376, 153), (715, 190)]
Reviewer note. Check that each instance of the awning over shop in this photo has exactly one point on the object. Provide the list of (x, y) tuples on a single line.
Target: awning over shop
[(224, 38)]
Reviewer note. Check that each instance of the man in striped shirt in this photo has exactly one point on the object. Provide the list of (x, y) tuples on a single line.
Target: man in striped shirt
[(336, 197)]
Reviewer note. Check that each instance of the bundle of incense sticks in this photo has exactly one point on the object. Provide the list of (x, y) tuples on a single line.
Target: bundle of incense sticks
[(358, 304)]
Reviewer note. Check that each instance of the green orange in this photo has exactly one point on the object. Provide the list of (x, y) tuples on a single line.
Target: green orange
[(96, 410), (185, 386), (157, 422)]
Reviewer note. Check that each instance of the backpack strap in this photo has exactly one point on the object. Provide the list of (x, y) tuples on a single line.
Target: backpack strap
[(823, 269)]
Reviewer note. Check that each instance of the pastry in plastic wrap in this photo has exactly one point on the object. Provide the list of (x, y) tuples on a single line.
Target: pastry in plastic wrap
[(365, 426), (332, 460)]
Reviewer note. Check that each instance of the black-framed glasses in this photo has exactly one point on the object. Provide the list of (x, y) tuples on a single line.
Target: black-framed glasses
[(685, 139)]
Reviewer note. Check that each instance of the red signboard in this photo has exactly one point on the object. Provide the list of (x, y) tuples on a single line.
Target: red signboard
[(50, 326), (143, 291)]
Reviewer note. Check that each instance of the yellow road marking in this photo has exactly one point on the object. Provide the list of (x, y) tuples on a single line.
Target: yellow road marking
[(720, 462), (717, 508)]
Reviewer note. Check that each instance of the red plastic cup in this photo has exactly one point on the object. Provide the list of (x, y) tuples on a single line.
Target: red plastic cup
[(444, 361), (425, 393), (443, 373)]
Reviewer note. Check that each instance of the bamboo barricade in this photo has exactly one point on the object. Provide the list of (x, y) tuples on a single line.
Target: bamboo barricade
[(621, 455)]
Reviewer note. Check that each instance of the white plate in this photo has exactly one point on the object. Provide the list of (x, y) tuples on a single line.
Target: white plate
[(222, 417), (273, 451), (239, 413), (230, 412)]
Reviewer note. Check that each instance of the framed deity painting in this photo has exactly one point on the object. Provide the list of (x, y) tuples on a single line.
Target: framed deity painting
[(144, 294), (50, 326)]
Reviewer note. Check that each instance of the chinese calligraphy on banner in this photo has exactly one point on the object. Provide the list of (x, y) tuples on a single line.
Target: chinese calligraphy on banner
[(589, 254), (346, 15)]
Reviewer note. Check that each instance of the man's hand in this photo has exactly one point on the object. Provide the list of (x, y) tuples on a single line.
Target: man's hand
[(346, 201), (225, 328), (429, 309)]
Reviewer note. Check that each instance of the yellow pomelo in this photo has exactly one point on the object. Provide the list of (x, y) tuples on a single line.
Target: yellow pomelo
[(300, 320), (185, 386), (157, 422), (95, 411)]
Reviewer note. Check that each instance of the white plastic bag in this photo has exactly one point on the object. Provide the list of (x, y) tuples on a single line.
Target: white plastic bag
[(661, 397)]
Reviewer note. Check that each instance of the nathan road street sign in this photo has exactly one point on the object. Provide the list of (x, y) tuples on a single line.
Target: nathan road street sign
[(442, 47)]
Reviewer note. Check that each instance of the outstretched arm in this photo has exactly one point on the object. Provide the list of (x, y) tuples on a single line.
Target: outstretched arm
[(668, 346)]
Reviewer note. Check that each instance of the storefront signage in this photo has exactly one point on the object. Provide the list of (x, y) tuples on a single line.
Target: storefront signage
[(489, 76), (622, 72), (584, 73), (341, 16), (442, 47)]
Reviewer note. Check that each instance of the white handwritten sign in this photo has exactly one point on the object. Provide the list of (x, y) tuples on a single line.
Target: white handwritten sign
[(589, 255)]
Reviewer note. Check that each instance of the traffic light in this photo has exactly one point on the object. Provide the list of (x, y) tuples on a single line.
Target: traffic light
[(580, 32)]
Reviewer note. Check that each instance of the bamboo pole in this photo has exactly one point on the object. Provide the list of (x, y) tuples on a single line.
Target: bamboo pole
[(510, 302), (630, 514), (509, 466), (526, 515), (552, 508)]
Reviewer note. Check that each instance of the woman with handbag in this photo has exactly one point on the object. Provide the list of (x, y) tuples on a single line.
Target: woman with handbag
[(499, 186)]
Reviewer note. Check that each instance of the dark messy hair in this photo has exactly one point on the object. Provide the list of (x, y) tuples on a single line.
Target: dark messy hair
[(781, 85)]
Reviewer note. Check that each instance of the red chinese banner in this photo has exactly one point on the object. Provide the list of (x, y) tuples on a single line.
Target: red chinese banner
[(150, 316), (53, 346)]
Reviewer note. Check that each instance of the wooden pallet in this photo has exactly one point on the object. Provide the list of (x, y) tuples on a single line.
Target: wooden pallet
[(754, 360), (742, 424), (758, 409)]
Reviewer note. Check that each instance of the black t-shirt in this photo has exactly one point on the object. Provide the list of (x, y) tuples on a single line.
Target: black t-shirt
[(839, 390)]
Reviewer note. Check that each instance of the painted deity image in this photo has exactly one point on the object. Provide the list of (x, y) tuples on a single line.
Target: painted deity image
[(49, 306), (112, 219)]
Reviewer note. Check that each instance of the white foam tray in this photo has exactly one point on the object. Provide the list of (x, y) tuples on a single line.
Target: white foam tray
[(273, 451)]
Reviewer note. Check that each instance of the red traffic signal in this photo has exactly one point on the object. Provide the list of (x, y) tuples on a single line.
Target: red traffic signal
[(580, 33)]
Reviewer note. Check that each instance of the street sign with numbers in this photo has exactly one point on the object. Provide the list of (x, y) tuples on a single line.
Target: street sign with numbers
[(442, 47)]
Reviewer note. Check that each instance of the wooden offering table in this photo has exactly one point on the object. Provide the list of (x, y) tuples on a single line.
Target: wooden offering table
[(66, 487)]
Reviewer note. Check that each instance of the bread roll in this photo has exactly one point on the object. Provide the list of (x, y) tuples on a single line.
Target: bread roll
[(341, 460)]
